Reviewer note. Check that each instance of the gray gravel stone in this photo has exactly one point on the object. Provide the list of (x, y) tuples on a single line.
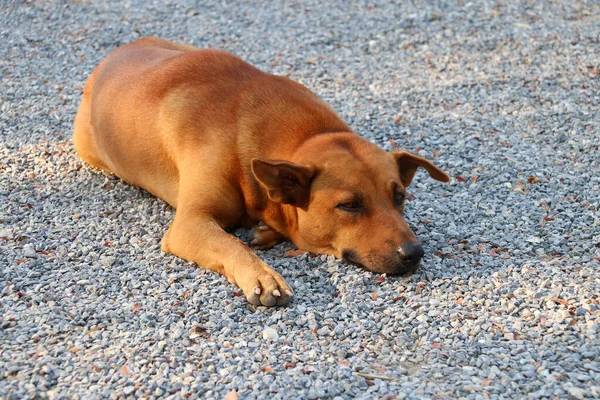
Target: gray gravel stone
[(29, 251), (503, 95)]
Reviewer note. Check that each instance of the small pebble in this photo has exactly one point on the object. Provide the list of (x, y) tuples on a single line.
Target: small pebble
[(29, 251), (270, 334)]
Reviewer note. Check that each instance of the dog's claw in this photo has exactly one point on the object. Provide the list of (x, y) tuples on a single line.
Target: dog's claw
[(257, 291), (276, 293), (289, 293)]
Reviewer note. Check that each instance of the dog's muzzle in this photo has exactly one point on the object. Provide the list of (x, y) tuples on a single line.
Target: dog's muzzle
[(405, 260), (351, 257)]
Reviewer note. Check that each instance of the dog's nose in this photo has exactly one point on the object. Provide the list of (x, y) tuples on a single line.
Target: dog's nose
[(410, 254)]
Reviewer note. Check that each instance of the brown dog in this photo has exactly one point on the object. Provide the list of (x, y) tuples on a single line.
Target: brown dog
[(226, 144)]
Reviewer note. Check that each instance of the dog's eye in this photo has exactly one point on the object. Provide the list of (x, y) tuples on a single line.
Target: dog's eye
[(350, 206), (399, 198)]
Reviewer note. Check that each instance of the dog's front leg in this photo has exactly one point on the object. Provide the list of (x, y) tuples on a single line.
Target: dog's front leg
[(199, 238), (263, 237)]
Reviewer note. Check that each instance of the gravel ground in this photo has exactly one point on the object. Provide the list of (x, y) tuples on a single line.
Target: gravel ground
[(503, 95)]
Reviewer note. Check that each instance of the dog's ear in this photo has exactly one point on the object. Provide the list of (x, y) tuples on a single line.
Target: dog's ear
[(408, 164), (285, 182)]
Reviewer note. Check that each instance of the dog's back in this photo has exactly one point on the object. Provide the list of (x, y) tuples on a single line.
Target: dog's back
[(192, 101)]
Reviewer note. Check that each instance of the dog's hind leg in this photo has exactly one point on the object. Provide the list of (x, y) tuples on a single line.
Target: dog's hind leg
[(83, 131)]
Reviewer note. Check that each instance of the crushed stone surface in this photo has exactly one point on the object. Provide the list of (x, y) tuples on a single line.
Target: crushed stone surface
[(505, 96)]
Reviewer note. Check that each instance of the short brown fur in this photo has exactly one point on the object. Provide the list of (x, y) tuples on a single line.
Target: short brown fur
[(226, 145)]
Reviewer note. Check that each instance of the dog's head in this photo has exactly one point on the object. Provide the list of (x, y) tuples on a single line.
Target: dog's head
[(347, 197)]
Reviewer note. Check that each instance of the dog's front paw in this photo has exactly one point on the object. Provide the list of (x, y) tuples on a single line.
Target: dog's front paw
[(263, 237), (265, 287)]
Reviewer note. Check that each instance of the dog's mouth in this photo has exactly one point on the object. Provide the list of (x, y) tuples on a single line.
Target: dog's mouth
[(350, 257)]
